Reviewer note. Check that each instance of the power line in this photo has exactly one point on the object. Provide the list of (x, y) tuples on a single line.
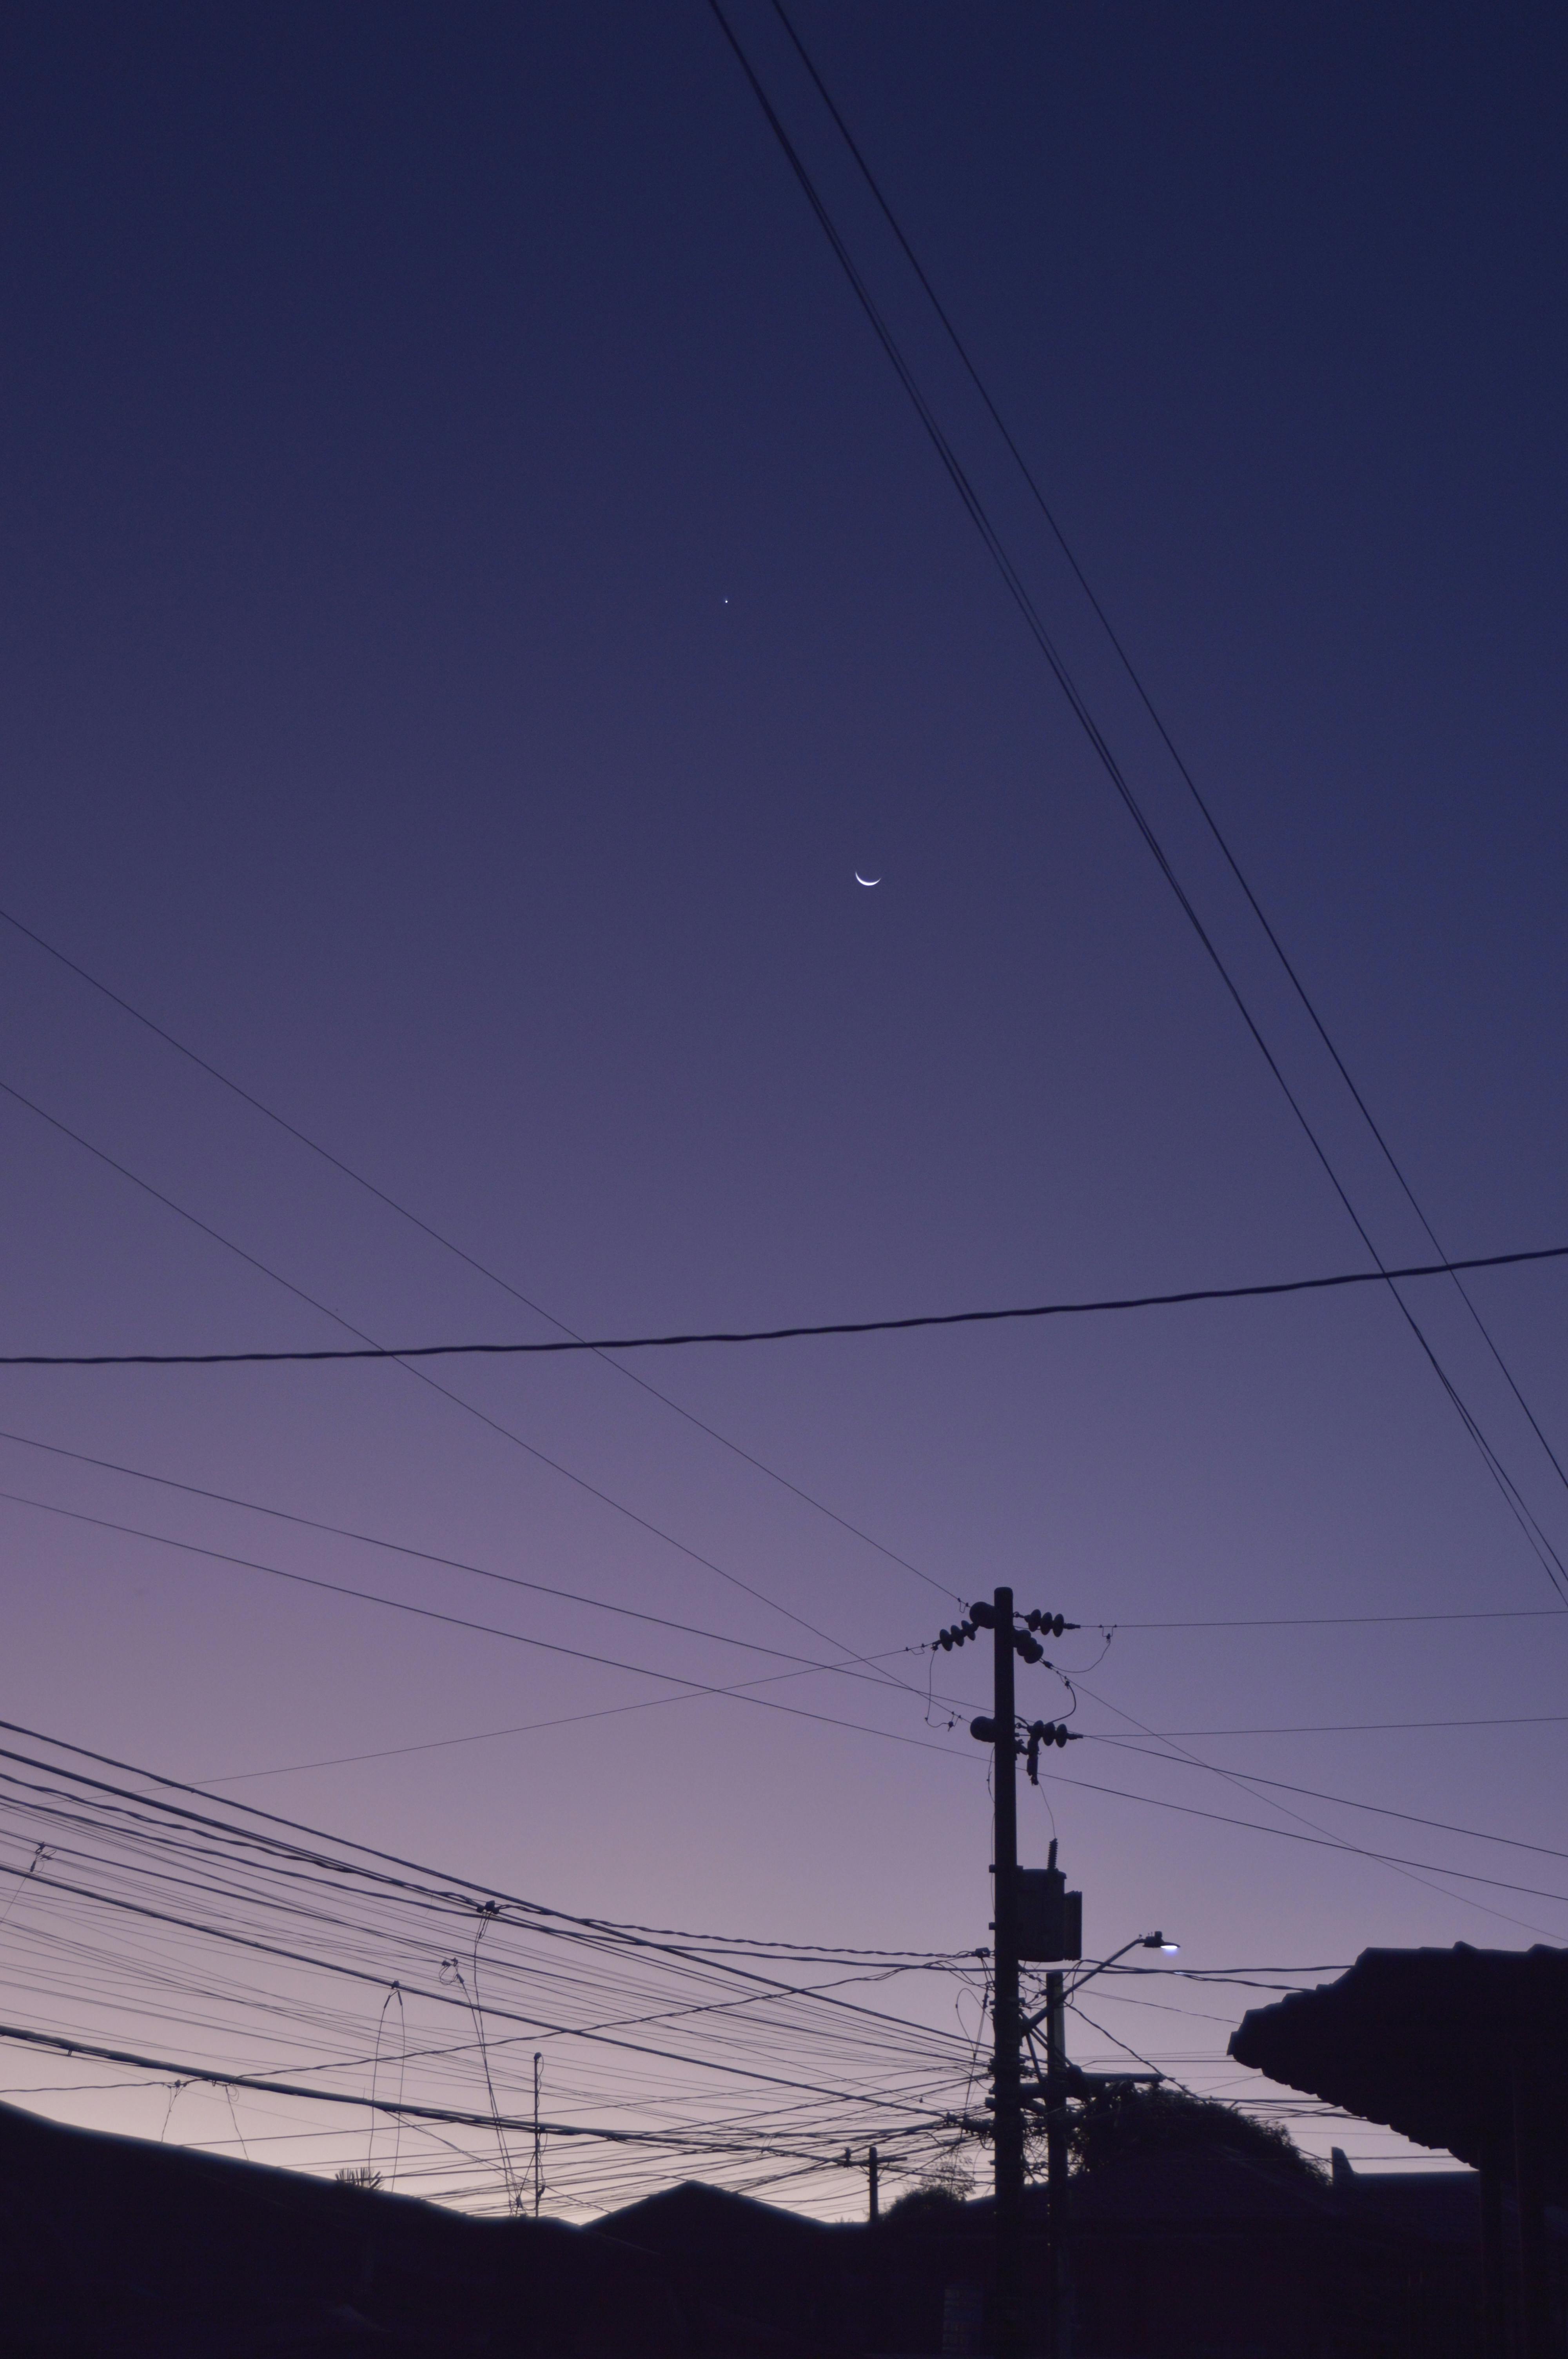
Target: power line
[(150, 1831), (1202, 1974), (742, 1692), (427, 1229), (371, 1350), (682, 1944), (176, 1848), (651, 1703), (1413, 1872), (1347, 1802), (476, 1736), (1294, 1834), (396, 1547), (688, 2142), (1347, 1621), (1375, 1727), (1146, 700), (460, 1565), (1548, 1556), (1062, 1310), (447, 1878), (342, 1531), (1319, 1837)]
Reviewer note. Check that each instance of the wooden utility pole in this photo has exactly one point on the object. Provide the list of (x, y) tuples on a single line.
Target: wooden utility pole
[(538, 2143), (1006, 2097), (873, 2181), (1032, 1916)]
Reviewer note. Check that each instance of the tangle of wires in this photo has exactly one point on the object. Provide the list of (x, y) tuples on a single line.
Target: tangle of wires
[(210, 1949)]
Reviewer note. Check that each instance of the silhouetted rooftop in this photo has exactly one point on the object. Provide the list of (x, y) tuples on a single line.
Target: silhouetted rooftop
[(116, 2245), (1427, 2041)]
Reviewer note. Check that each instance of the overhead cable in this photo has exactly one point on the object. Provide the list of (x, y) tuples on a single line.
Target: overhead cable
[(1248, 1778), (1155, 716), (739, 1693), (1541, 1546), (438, 1236), (683, 2142), (850, 1666), (367, 1348), (506, 1350)]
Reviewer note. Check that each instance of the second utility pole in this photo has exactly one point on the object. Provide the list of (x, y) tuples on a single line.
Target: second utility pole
[(1008, 2111), (1056, 2162)]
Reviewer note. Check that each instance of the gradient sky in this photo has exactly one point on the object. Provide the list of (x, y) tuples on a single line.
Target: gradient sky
[(475, 592)]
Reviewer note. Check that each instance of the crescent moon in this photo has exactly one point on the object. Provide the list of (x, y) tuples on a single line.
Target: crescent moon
[(866, 880)]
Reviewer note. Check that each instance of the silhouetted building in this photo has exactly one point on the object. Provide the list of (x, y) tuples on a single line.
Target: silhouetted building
[(1174, 2255), (1460, 2049), (755, 2277), (115, 2248)]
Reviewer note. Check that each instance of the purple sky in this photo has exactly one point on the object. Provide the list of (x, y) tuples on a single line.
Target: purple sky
[(475, 594)]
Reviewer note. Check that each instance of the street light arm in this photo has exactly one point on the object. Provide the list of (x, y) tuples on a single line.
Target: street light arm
[(1140, 1942)]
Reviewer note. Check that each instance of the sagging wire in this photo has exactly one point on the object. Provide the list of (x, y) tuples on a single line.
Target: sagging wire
[(402, 2074), (932, 1707), (1107, 1632), (487, 1917), (394, 1991), (451, 1971), (158, 1856), (1045, 1794), (980, 2021)]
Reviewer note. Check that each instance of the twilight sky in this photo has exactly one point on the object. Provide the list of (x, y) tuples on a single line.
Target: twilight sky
[(475, 592)]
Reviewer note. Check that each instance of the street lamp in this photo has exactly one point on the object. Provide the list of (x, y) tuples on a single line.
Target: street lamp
[(1141, 1942)]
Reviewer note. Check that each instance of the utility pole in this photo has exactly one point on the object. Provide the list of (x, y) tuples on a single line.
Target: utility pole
[(1006, 2097), (1056, 2162), (538, 2147), (1032, 1916), (1061, 1931), (873, 2181)]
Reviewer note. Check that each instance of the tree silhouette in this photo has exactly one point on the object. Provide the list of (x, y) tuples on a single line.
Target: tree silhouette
[(1118, 2123)]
